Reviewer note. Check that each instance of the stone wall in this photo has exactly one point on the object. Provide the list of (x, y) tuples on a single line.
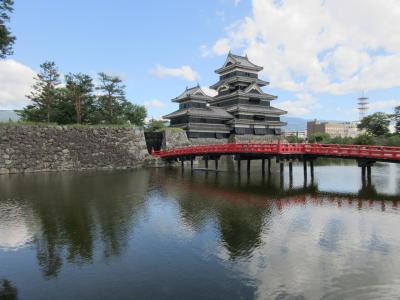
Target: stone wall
[(247, 138), (236, 139), (207, 141), (29, 148), (173, 138)]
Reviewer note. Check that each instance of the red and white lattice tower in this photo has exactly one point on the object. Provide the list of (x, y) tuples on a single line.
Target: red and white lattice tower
[(363, 106)]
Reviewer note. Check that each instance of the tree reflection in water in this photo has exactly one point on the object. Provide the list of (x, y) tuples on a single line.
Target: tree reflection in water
[(73, 210), (7, 290)]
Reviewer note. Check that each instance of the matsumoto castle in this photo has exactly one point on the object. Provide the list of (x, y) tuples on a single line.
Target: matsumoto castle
[(239, 109)]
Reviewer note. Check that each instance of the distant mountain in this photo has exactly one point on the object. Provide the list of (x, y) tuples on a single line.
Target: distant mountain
[(7, 115), (294, 124)]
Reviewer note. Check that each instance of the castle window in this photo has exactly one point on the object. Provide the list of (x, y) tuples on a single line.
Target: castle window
[(260, 131)]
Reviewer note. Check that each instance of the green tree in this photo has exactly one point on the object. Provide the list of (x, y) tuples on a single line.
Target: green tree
[(43, 94), (364, 139), (155, 125), (62, 107), (80, 89), (6, 38), (294, 139), (397, 118), (376, 124), (323, 138), (134, 113), (112, 99)]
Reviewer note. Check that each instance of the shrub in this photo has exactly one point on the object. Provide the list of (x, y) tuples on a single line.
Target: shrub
[(364, 139)]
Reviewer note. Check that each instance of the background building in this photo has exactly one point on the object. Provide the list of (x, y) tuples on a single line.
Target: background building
[(334, 129)]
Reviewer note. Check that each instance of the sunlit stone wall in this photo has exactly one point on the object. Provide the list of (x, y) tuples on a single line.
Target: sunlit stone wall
[(247, 138), (174, 139), (33, 148), (208, 141)]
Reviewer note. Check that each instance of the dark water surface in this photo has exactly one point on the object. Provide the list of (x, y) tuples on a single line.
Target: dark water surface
[(161, 234)]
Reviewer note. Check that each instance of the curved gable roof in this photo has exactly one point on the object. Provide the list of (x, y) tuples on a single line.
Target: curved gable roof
[(234, 60), (194, 92)]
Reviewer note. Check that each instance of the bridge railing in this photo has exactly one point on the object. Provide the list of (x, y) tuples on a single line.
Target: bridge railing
[(381, 152), (367, 151)]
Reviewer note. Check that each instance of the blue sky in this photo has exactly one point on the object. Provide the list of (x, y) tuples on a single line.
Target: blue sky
[(160, 47)]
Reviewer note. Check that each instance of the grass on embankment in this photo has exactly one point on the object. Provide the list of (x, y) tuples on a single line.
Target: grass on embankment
[(25, 123)]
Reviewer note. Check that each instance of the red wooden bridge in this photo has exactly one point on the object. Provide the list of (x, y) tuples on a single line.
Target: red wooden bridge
[(376, 153), (366, 156)]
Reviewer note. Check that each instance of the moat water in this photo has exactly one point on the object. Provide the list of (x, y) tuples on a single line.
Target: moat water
[(164, 234)]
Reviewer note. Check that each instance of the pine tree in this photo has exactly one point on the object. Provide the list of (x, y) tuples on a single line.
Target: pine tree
[(80, 88), (112, 98), (6, 39), (44, 93)]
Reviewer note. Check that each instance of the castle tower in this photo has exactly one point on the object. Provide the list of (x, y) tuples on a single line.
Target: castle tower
[(197, 118), (240, 94)]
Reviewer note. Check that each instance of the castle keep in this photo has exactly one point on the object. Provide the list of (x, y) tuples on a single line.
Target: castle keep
[(240, 108)]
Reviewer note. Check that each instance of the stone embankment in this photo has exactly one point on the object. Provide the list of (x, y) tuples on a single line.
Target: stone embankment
[(33, 148), (36, 148), (174, 139)]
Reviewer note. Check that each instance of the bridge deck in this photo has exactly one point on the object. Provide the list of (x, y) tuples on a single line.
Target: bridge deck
[(381, 153)]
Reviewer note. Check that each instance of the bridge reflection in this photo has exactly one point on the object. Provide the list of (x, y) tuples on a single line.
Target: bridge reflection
[(243, 210), (267, 191)]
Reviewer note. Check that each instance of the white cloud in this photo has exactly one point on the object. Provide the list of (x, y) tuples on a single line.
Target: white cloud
[(185, 72), (16, 80), (208, 91), (221, 47), (221, 15), (155, 103), (303, 105), (386, 105), (334, 46)]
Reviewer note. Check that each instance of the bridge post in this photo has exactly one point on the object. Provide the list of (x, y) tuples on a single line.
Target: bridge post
[(363, 174), (216, 164), (248, 166), (182, 163), (312, 168), (269, 166), (191, 162), (369, 174), (365, 165), (281, 177), (305, 168), (263, 167), (290, 172), (206, 162), (239, 164)]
